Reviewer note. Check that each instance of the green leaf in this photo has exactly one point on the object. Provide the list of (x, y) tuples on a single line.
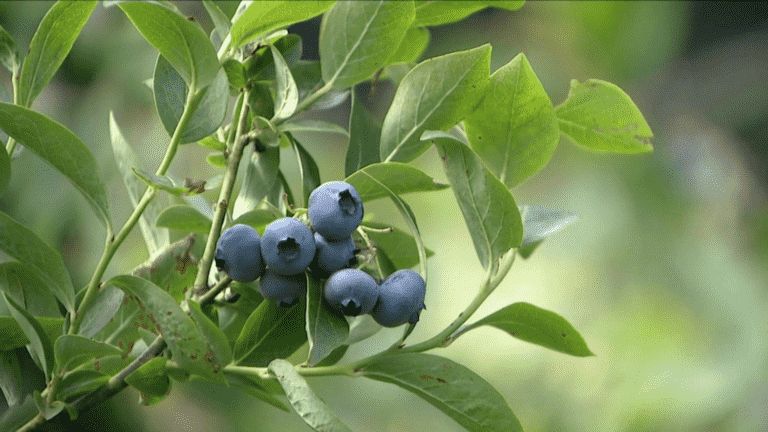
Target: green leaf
[(308, 79), (259, 181), (397, 177), (155, 238), (514, 130), (216, 160), (311, 126), (51, 43), (212, 143), (9, 52), (535, 325), (266, 132), (5, 168), (434, 95), (11, 379), (209, 106), (80, 382), (71, 351), (261, 389), (600, 116), (450, 387), (271, 332), (185, 46), (184, 218), (356, 38), (220, 353), (48, 410), (412, 47), (235, 73), (101, 311), (258, 218), (488, 207), (306, 403), (263, 16), (540, 223), (286, 94), (22, 244), (13, 336), (220, 20), (62, 149), (151, 378), (175, 187), (364, 133), (39, 342), (334, 357), (18, 415), (175, 268), (310, 174), (179, 331), (261, 65), (398, 245), (432, 13), (327, 329), (24, 284)]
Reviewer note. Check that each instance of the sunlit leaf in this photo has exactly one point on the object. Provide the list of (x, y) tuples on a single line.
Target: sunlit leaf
[(184, 218), (262, 16)]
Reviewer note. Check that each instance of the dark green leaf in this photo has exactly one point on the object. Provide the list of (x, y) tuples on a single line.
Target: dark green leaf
[(364, 134), (286, 94), (271, 332), (327, 329), (179, 331), (488, 207), (356, 38), (235, 73), (155, 238), (18, 415), (13, 336), (452, 388), (260, 100), (209, 106), (5, 168), (514, 130), (39, 342), (259, 388), (9, 53), (219, 350), (61, 148), (334, 357), (413, 45), (262, 65), (600, 116), (540, 223), (51, 43), (71, 351), (310, 126), (456, 82), (79, 382), (538, 326), (306, 403), (259, 181), (176, 267), (182, 43), (432, 13), (151, 378), (397, 177), (24, 284), (101, 311), (398, 245), (263, 16), (308, 79), (184, 218), (22, 244), (310, 174)]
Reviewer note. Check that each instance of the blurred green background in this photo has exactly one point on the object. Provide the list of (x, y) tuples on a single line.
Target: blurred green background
[(664, 274)]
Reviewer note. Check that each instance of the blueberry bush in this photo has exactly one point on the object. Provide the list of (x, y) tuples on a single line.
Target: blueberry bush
[(289, 268)]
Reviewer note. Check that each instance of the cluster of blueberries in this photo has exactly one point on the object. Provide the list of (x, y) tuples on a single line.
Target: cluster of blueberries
[(288, 248)]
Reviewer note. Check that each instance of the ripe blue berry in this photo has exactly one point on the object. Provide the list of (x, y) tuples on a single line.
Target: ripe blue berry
[(238, 253), (287, 246), (335, 210), (332, 256), (351, 291), (401, 299), (286, 290)]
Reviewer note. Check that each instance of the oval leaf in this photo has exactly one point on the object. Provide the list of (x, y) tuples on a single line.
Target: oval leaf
[(452, 388), (488, 207), (397, 177), (434, 95), (184, 218), (309, 78), (271, 332), (364, 134), (306, 403), (181, 42), (101, 311), (600, 116), (51, 43), (22, 244), (327, 329), (356, 38), (535, 325), (179, 331), (71, 351), (514, 130), (540, 223), (79, 382), (286, 94), (155, 238), (175, 268), (311, 126), (265, 15), (220, 351), (61, 148), (151, 378), (39, 342)]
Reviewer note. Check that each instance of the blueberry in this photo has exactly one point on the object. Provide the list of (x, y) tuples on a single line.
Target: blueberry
[(401, 299), (286, 290), (335, 210), (332, 256), (287, 246), (351, 291), (238, 253)]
